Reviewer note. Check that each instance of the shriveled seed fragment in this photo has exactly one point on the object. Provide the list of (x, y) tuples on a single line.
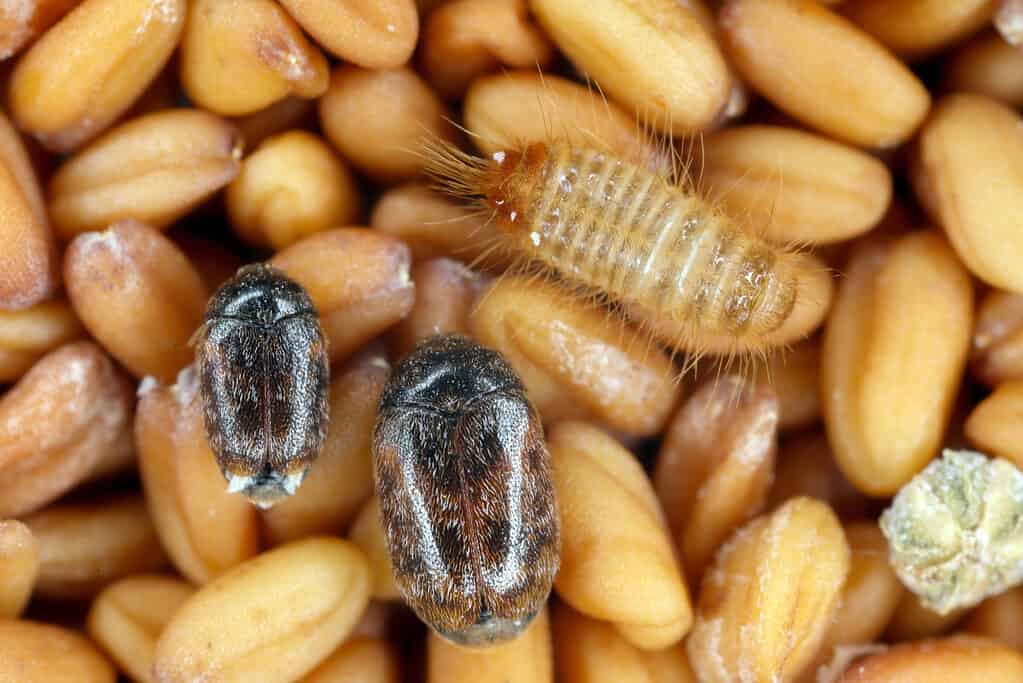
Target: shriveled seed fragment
[(956, 530)]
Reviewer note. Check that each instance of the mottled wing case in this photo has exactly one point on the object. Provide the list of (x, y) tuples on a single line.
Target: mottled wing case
[(469, 510), (265, 404)]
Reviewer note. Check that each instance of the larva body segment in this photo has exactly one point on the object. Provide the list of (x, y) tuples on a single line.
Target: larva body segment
[(617, 227)]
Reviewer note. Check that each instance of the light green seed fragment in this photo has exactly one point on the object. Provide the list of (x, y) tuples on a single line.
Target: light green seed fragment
[(955, 531)]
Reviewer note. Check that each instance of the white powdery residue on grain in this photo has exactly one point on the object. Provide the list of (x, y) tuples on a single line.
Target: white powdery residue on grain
[(713, 644), (17, 16), (72, 380), (749, 638), (759, 437), (147, 384), (163, 11), (101, 239), (405, 276), (1009, 21), (186, 386)]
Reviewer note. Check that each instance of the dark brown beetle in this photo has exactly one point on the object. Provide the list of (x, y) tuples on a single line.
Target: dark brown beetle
[(466, 495), (264, 375)]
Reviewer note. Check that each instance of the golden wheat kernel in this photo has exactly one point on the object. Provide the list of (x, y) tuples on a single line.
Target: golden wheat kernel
[(138, 294), (967, 132), (360, 660), (796, 186), (955, 658), (274, 618), (998, 617), (89, 68), (987, 65), (367, 532), (280, 117), (823, 70), (956, 530), (993, 426), (806, 467), (184, 487), (618, 563), (240, 56), (26, 162), (22, 22), (434, 226), (716, 464), (655, 58), (894, 356), (466, 39), (514, 109), (913, 620), (794, 375), (29, 334), (914, 29), (997, 353), (163, 93), (84, 547), (155, 169), (591, 651), (215, 261), (446, 291), (378, 118), (19, 567), (290, 187), (28, 272), (377, 35), (34, 652), (127, 617), (27, 256), (66, 421), (670, 665), (870, 596), (574, 360), (766, 604)]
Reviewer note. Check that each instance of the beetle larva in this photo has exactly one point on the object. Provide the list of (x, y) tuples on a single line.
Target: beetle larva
[(619, 228), (264, 373), (466, 495)]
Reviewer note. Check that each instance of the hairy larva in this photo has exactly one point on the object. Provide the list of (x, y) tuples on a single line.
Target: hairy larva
[(264, 373), (645, 242), (466, 492)]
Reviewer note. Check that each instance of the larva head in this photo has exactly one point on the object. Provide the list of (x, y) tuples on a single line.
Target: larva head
[(511, 182)]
